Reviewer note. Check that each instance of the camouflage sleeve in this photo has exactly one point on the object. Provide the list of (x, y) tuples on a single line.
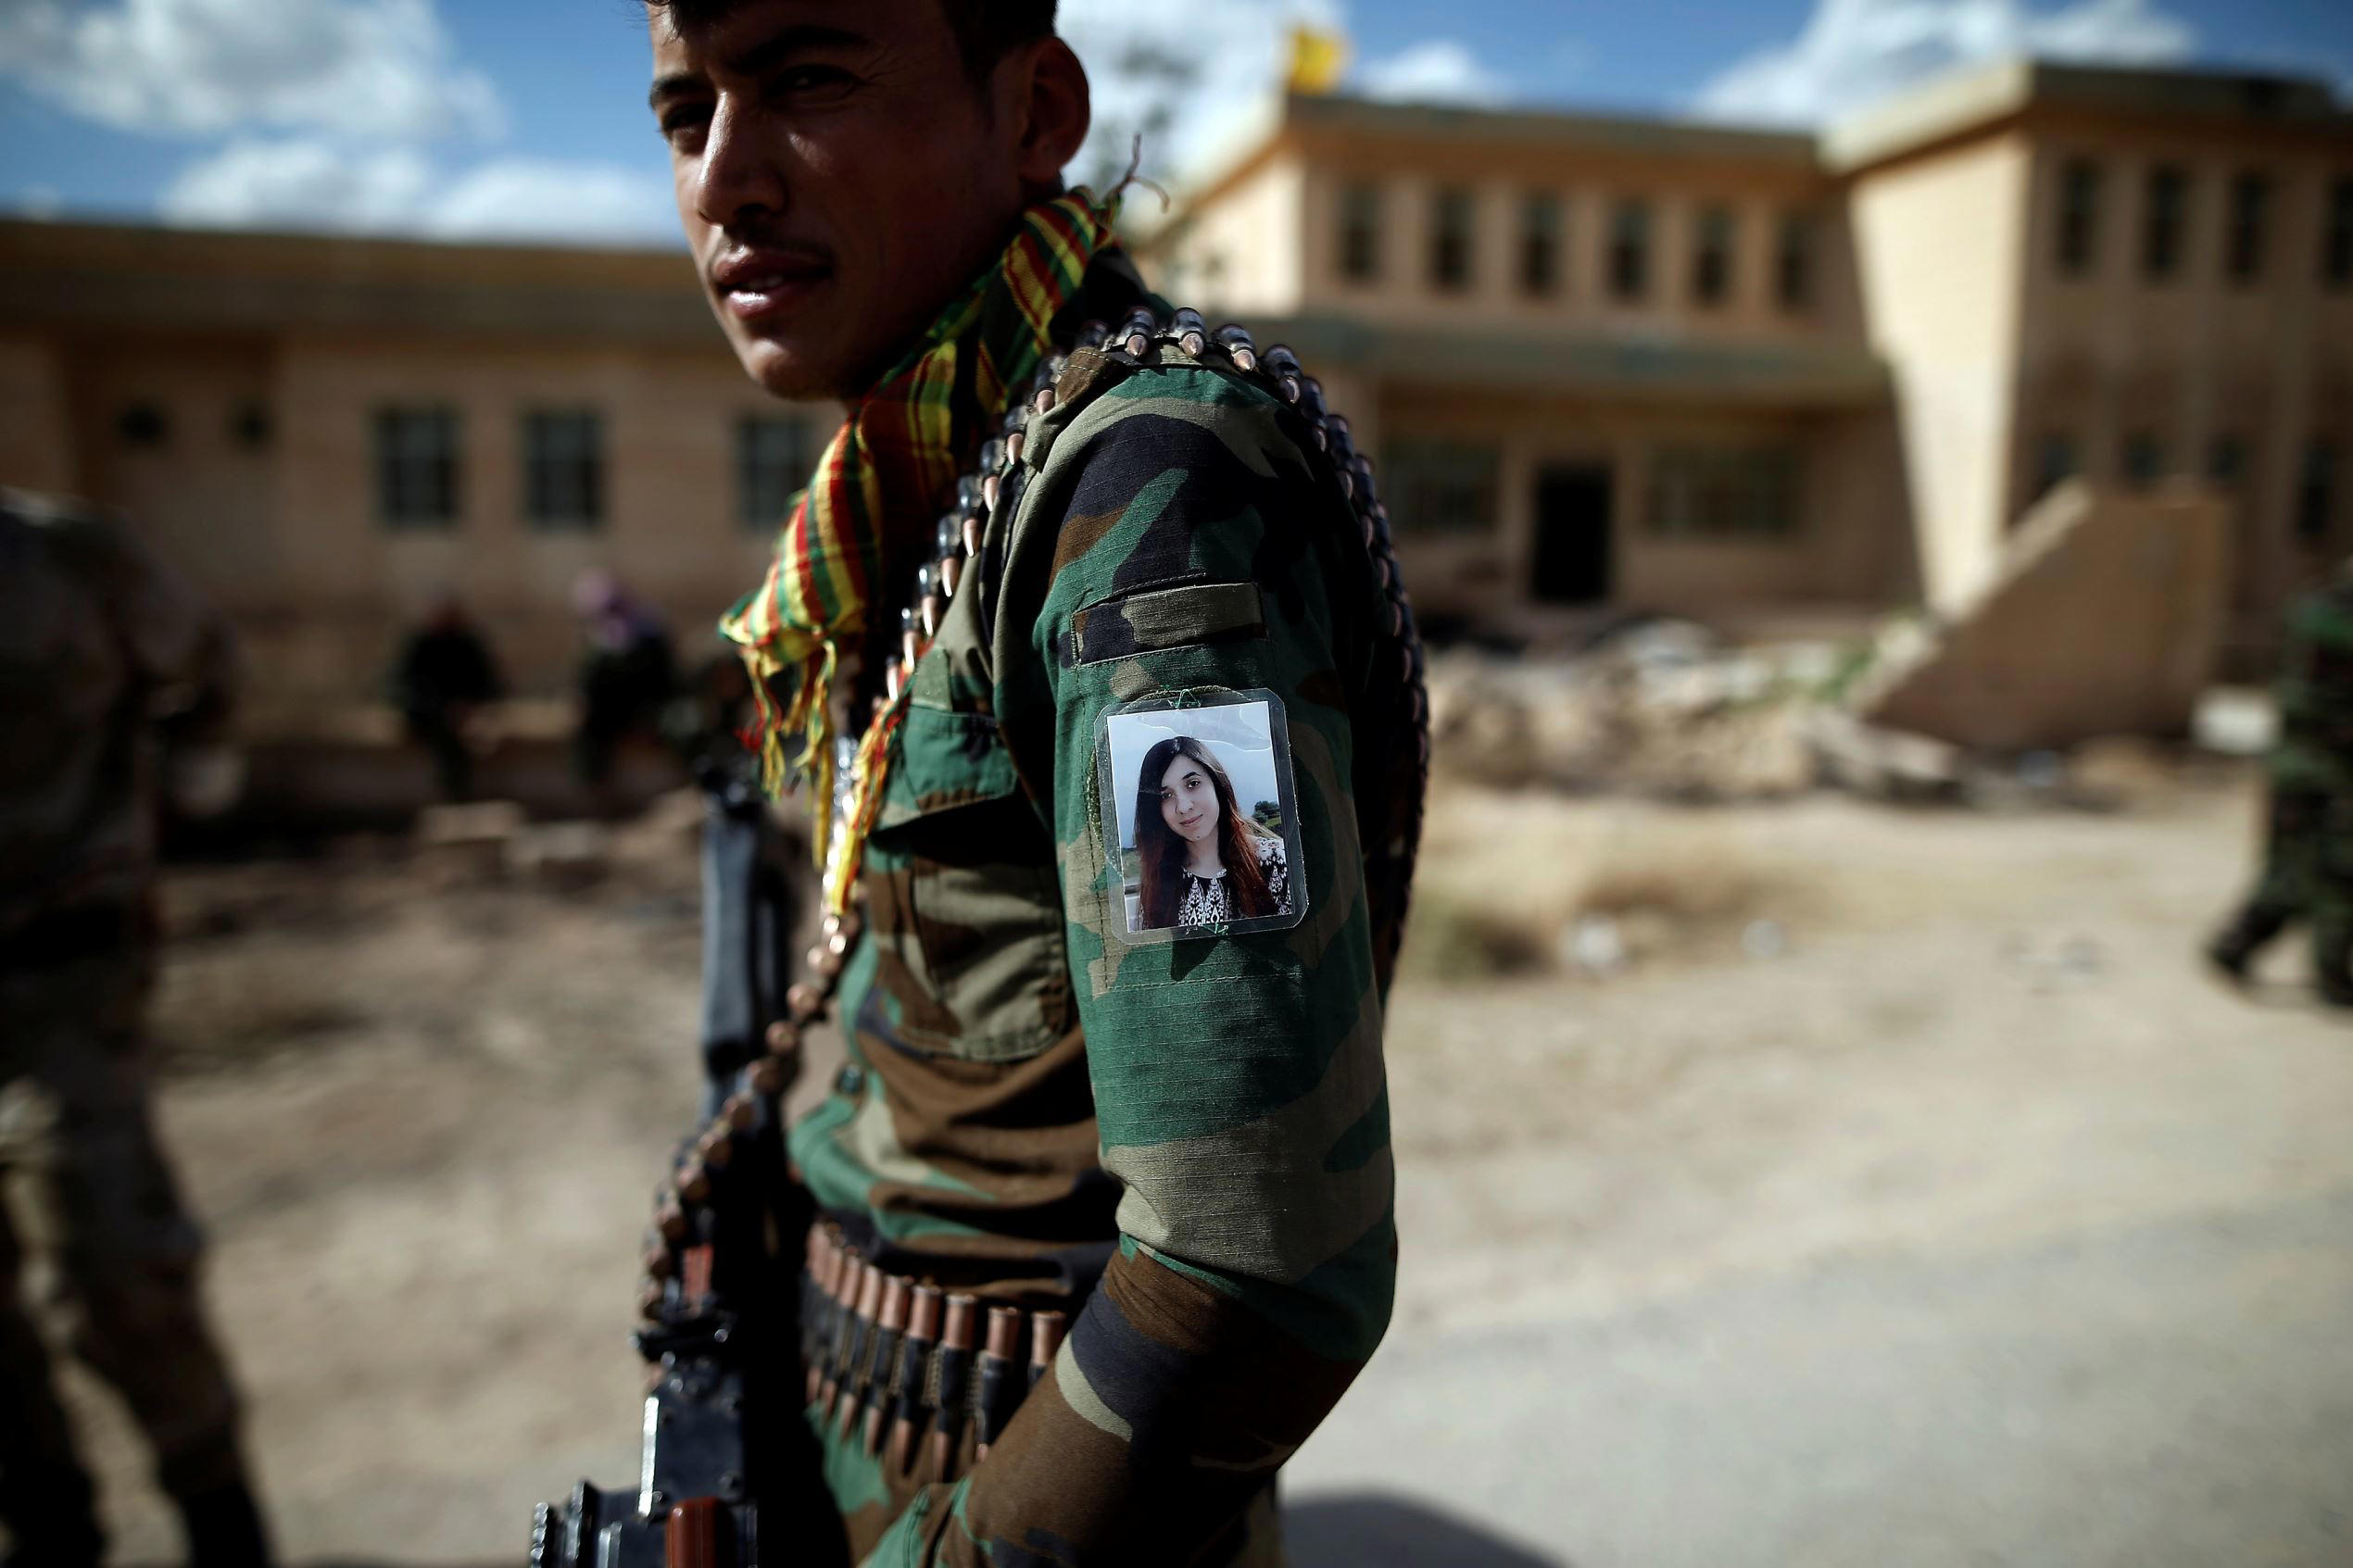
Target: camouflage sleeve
[(1176, 538)]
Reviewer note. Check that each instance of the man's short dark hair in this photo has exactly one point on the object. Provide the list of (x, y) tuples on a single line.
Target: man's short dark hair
[(986, 30)]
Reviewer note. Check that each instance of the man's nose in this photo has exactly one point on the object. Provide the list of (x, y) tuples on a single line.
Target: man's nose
[(738, 176)]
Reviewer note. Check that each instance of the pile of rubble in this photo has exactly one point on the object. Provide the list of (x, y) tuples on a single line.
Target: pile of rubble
[(1667, 709), (1661, 708)]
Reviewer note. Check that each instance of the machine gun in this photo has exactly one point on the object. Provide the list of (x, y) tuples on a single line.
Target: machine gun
[(721, 1429)]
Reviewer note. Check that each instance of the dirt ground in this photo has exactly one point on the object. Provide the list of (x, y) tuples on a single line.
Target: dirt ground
[(1818, 1181)]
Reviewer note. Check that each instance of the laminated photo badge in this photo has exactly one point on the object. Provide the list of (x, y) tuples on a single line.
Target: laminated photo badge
[(1202, 815)]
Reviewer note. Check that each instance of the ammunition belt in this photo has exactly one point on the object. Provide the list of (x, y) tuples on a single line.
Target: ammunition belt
[(886, 1353)]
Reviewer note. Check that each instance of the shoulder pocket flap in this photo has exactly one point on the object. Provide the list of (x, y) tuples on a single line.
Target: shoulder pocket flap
[(1167, 618), (942, 760)]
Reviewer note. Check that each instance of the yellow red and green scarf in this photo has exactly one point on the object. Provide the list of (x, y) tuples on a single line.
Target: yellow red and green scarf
[(893, 462)]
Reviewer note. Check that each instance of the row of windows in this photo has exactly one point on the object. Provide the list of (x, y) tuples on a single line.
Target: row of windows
[(149, 425), (420, 456), (2169, 193), (1539, 259), (2143, 457), (1696, 491)]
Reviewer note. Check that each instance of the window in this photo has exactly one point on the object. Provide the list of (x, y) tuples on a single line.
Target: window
[(250, 426), (1712, 256), (2226, 462), (2250, 200), (142, 424), (2056, 462), (1539, 243), (1442, 486), (1793, 262), (1449, 239), (1360, 231), (772, 464), (1629, 249), (2079, 217), (417, 467), (2316, 493), (2336, 235), (1724, 492), (563, 461), (2143, 458), (2169, 195)]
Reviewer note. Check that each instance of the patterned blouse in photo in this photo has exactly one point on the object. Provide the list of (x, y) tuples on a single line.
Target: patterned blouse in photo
[(1205, 901)]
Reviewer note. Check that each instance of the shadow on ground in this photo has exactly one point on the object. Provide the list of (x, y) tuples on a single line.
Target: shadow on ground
[(1324, 1532), (1371, 1531)]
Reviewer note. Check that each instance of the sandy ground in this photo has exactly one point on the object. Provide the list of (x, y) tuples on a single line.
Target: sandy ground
[(1908, 1195)]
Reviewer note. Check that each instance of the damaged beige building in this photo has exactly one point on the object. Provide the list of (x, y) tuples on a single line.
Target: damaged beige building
[(1738, 375), (1628, 364)]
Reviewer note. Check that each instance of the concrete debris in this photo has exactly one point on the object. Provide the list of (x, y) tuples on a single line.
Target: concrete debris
[(561, 855), (1664, 708), (2104, 616), (467, 842)]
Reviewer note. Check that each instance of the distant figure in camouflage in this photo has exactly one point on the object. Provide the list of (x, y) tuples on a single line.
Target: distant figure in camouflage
[(2308, 860), (101, 648), (1180, 1145)]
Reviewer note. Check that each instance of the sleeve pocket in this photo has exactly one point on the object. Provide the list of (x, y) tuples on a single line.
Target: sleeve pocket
[(1190, 615)]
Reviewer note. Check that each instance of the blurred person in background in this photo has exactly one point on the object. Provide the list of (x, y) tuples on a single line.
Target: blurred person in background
[(1181, 1151), (626, 674), (108, 662), (445, 676), (2308, 860)]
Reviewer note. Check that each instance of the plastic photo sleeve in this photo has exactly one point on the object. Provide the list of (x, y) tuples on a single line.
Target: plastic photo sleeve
[(1200, 816)]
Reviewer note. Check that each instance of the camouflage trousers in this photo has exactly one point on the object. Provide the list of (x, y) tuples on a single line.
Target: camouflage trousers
[(2308, 875), (100, 1209), (875, 1502)]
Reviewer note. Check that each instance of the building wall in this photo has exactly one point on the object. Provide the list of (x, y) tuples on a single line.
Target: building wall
[(280, 524), (2110, 353), (1837, 553), (36, 451), (1241, 255), (1940, 240)]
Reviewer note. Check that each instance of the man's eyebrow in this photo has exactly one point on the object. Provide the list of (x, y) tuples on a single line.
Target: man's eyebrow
[(787, 41), (759, 59), (681, 85)]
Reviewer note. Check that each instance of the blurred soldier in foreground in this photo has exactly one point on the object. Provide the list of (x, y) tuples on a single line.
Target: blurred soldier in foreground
[(1103, 1215), (445, 676), (2308, 863), (103, 656)]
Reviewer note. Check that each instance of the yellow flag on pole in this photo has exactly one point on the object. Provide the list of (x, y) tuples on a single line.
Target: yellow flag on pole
[(1317, 59)]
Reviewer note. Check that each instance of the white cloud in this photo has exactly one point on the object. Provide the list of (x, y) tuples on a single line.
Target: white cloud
[(360, 68), (1440, 71), (1853, 52), (315, 185)]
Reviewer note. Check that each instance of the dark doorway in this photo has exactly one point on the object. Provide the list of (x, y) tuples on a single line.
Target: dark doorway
[(1572, 534)]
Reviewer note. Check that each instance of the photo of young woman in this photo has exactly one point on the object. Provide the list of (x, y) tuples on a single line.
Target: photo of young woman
[(1203, 861)]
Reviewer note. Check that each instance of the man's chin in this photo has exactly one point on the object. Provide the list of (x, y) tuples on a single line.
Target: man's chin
[(788, 370)]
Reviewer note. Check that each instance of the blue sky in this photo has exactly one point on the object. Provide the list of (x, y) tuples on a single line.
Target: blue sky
[(524, 117)]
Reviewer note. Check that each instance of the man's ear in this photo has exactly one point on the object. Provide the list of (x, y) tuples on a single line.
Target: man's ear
[(1052, 107)]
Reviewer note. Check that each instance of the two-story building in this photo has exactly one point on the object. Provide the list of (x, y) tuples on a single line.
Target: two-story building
[(1718, 372)]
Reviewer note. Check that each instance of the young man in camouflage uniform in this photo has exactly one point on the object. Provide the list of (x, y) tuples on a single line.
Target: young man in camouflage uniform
[(2308, 866), (98, 642), (1183, 1147)]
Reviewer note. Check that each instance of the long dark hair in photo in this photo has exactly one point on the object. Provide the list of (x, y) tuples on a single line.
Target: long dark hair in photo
[(1163, 852)]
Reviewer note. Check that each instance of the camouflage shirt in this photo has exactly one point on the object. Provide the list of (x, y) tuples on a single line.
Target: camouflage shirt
[(2315, 753), (1031, 1101), (98, 639)]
